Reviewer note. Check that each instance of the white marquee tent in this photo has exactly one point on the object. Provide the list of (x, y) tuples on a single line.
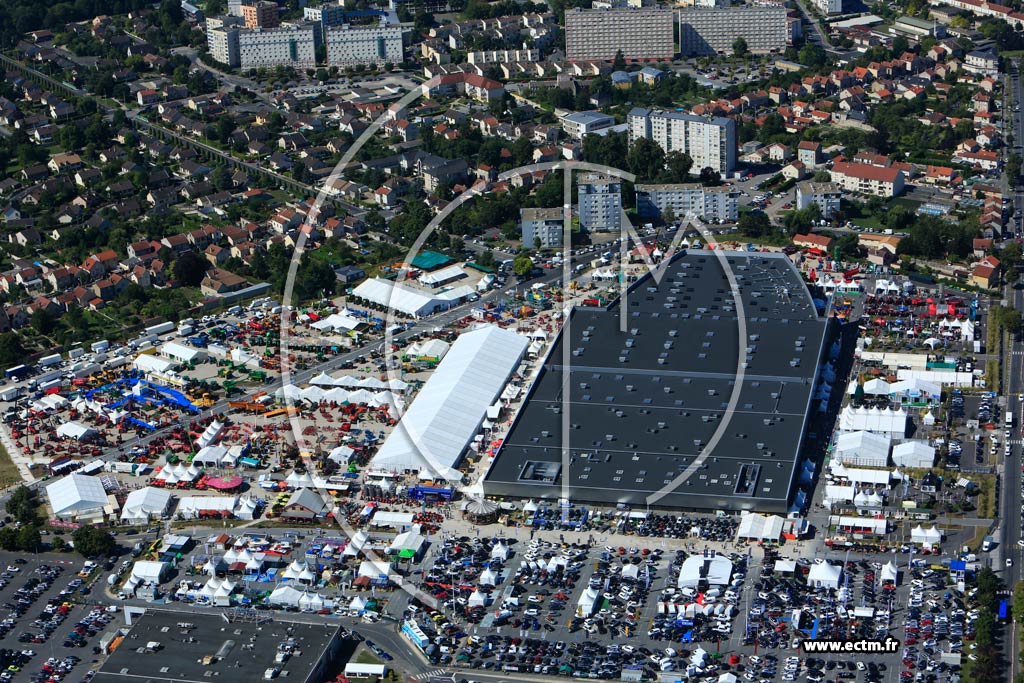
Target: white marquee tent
[(824, 575), (444, 418), (863, 449)]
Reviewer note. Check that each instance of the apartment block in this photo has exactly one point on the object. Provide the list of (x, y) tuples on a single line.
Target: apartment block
[(222, 39), (710, 141), (262, 14), (546, 225), (866, 179), (348, 45), (290, 44), (600, 202), (598, 34), (710, 31), (503, 56), (829, 6), (708, 203), (826, 195)]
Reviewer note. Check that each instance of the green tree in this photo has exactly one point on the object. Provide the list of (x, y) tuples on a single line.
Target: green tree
[(189, 269), (1013, 165), (29, 539), (486, 259), (677, 166), (11, 349), (42, 321), (522, 265), (645, 159), (619, 63), (22, 505), (9, 538), (755, 224), (739, 47), (812, 56), (93, 542)]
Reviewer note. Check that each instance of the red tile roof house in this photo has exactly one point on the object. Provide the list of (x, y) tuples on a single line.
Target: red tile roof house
[(811, 240)]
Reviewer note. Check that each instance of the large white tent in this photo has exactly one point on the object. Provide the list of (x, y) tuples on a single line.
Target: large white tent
[(182, 353), (445, 416), (405, 299), (760, 527), (74, 430), (77, 495), (824, 575), (145, 362), (152, 572), (714, 570), (145, 504), (914, 453), (863, 449)]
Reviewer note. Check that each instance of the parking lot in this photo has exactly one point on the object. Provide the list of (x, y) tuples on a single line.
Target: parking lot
[(48, 633), (536, 619)]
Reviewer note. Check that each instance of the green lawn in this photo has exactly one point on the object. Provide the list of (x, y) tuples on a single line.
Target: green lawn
[(869, 222), (9, 473)]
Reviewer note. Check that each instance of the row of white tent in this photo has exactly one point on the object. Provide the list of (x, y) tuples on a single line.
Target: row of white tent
[(315, 394), (347, 381), (172, 474)]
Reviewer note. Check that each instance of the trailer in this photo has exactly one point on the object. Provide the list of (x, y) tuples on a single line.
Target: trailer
[(160, 328), (47, 361), (100, 346), (75, 353), (18, 371)]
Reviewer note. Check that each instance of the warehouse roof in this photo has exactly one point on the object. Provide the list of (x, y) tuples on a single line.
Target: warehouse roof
[(241, 649), (642, 404)]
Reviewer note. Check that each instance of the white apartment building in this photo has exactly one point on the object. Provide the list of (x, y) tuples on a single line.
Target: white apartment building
[(600, 202), (231, 43), (827, 196), (866, 179), (546, 225), (349, 45), (288, 44), (708, 203), (594, 35), (222, 39), (503, 56), (710, 31), (829, 6), (710, 141)]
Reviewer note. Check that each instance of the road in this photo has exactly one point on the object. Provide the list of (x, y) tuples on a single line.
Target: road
[(816, 35), (1016, 118), (1013, 358)]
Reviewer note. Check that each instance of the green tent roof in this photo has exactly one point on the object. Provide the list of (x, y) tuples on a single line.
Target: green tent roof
[(430, 260)]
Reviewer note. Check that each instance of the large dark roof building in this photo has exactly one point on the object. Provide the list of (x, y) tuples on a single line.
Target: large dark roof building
[(170, 647), (641, 404)]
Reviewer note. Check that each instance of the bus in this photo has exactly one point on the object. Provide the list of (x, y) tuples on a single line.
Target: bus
[(1009, 419)]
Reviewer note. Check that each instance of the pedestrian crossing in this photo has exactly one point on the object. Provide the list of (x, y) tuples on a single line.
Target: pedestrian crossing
[(436, 673)]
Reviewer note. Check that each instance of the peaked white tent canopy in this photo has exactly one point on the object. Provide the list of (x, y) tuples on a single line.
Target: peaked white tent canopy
[(924, 536)]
